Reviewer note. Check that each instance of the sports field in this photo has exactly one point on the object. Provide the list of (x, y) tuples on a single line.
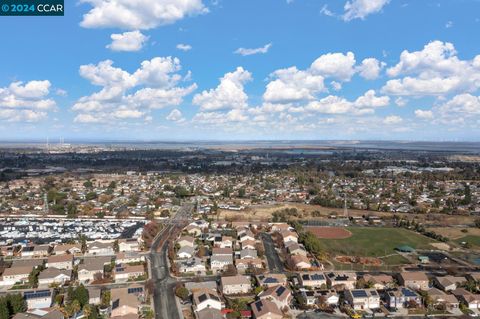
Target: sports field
[(375, 242)]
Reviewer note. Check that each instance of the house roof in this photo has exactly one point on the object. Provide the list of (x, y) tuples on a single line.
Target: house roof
[(264, 307), (414, 276), (235, 280), (54, 272), (25, 270), (60, 258), (279, 292)]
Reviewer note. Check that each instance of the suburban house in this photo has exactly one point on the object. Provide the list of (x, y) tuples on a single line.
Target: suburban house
[(192, 265), (64, 261), (345, 280), (265, 309), (296, 249), (89, 269), (246, 235), (222, 251), (299, 262), (129, 257), (400, 298), (314, 280), (126, 272), (67, 249), (440, 297), (379, 281), (206, 298), (209, 313), (185, 252), (313, 297), (125, 301), (248, 254), (235, 285), (129, 244), (15, 274), (94, 295), (220, 263), (416, 280), (54, 275), (278, 227), (225, 242), (289, 236), (472, 301), (37, 299), (448, 283), (98, 248), (361, 299), (279, 295), (248, 244), (41, 251), (271, 280), (193, 230), (186, 241), (248, 263)]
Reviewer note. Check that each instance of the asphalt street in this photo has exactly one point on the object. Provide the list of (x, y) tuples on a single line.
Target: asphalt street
[(274, 263), (164, 300)]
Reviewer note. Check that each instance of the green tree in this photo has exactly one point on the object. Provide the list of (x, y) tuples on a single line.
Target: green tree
[(81, 295), (4, 313), (182, 293), (16, 303), (116, 246)]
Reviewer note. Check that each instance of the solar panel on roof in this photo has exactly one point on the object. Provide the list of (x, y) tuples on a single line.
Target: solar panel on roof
[(259, 305), (214, 297), (359, 293), (305, 276), (280, 290), (270, 280), (317, 277), (373, 293), (202, 297), (135, 290), (115, 304), (408, 293), (37, 294)]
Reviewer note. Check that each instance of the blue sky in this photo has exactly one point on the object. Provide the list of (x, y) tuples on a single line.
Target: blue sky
[(224, 69)]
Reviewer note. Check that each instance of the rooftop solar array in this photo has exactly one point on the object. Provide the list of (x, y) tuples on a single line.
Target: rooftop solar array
[(259, 305), (202, 297), (317, 277), (37, 294), (280, 290), (115, 304), (359, 294), (135, 290), (408, 293)]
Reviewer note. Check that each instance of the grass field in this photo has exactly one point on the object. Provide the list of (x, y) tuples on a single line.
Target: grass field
[(471, 239), (375, 242)]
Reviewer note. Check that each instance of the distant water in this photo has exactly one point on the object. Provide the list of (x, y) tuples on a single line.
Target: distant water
[(305, 145)]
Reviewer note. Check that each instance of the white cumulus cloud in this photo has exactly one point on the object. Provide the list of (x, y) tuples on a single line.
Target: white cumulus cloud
[(127, 41), (229, 94), (360, 9), (261, 50), (138, 14)]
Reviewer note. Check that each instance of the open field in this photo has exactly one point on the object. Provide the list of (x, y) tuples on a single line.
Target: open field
[(471, 239), (455, 233), (329, 232), (264, 213), (375, 242)]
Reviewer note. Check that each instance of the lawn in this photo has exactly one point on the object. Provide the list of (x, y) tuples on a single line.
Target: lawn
[(375, 242), (471, 239)]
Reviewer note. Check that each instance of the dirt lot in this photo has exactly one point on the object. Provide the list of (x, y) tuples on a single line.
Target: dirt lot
[(264, 212), (330, 232), (456, 233)]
